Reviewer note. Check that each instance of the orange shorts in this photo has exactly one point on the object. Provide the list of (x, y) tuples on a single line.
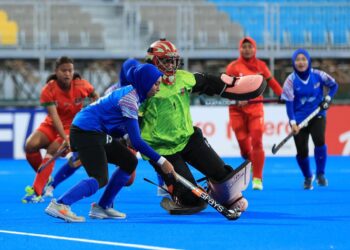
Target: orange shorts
[(51, 132)]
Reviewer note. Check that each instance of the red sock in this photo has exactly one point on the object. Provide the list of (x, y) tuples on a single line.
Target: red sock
[(258, 159), (245, 147), (34, 160), (42, 177)]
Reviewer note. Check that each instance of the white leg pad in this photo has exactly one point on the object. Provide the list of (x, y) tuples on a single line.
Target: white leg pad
[(229, 191)]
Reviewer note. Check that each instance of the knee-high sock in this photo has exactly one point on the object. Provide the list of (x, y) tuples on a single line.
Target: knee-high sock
[(34, 160), (42, 177), (115, 184), (63, 173), (304, 164), (84, 188), (258, 158), (320, 158), (245, 147)]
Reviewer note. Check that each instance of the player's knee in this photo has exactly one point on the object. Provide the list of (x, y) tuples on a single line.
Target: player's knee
[(30, 146), (130, 165), (102, 181)]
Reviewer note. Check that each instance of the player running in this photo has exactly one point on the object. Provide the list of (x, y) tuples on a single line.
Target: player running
[(63, 96), (90, 137)]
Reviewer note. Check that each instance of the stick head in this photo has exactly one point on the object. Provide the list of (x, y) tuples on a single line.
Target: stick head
[(274, 149)]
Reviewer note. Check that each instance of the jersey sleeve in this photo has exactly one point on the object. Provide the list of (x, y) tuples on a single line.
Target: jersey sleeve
[(328, 81), (288, 91), (46, 96), (129, 105)]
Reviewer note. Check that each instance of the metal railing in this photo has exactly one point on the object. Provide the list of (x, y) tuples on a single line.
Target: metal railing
[(92, 31)]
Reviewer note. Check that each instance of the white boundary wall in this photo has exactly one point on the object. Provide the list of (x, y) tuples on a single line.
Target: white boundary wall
[(214, 122)]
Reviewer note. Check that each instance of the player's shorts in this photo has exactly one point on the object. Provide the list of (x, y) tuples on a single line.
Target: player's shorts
[(51, 132)]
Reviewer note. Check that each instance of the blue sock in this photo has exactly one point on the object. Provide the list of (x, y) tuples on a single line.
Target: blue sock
[(115, 184), (304, 164), (320, 158), (85, 188), (63, 173)]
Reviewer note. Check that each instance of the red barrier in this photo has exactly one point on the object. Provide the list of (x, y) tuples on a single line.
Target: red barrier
[(338, 130)]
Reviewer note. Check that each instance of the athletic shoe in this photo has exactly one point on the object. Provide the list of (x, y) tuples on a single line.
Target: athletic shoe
[(49, 191), (308, 183), (257, 184), (31, 196), (321, 180), (63, 212), (98, 212)]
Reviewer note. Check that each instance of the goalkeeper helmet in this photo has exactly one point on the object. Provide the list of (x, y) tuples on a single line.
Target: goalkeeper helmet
[(163, 54)]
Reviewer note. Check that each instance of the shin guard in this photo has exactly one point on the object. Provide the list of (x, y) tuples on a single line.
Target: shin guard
[(115, 184), (42, 177), (304, 164), (34, 160), (320, 158), (85, 188)]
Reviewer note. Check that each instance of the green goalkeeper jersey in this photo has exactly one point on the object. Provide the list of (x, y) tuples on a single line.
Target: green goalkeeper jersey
[(166, 119)]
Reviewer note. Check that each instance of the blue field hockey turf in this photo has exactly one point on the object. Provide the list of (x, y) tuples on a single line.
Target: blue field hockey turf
[(282, 216)]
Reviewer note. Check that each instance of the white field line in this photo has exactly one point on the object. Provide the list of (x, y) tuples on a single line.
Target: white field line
[(100, 242)]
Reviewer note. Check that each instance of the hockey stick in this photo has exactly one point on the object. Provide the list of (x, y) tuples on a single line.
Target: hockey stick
[(304, 123), (148, 180), (267, 100), (231, 214), (226, 102), (54, 157)]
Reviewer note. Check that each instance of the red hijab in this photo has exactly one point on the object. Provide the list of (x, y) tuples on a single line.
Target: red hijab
[(251, 63)]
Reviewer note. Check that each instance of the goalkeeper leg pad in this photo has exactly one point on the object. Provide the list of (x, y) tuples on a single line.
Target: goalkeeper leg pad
[(228, 192)]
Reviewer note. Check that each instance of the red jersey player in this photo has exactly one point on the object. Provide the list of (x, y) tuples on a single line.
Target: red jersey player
[(63, 96), (247, 120)]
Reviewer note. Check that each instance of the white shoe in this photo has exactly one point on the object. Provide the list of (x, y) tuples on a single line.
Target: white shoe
[(63, 212), (49, 191), (98, 212)]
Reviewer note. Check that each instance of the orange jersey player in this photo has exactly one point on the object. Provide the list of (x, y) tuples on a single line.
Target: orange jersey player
[(247, 120), (63, 96)]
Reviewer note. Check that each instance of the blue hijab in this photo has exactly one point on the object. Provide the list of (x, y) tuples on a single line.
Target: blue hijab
[(305, 74), (142, 78), (124, 70)]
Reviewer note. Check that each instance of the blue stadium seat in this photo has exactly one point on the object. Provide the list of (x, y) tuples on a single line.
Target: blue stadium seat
[(316, 25)]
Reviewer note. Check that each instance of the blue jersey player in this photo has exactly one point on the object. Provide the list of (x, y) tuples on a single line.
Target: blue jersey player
[(74, 163), (303, 92), (114, 113)]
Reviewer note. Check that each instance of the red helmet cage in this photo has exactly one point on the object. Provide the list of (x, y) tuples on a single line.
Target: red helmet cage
[(164, 55)]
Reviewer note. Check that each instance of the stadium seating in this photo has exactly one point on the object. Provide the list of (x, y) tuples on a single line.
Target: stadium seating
[(315, 23), (8, 30), (206, 24), (61, 31), (211, 28)]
